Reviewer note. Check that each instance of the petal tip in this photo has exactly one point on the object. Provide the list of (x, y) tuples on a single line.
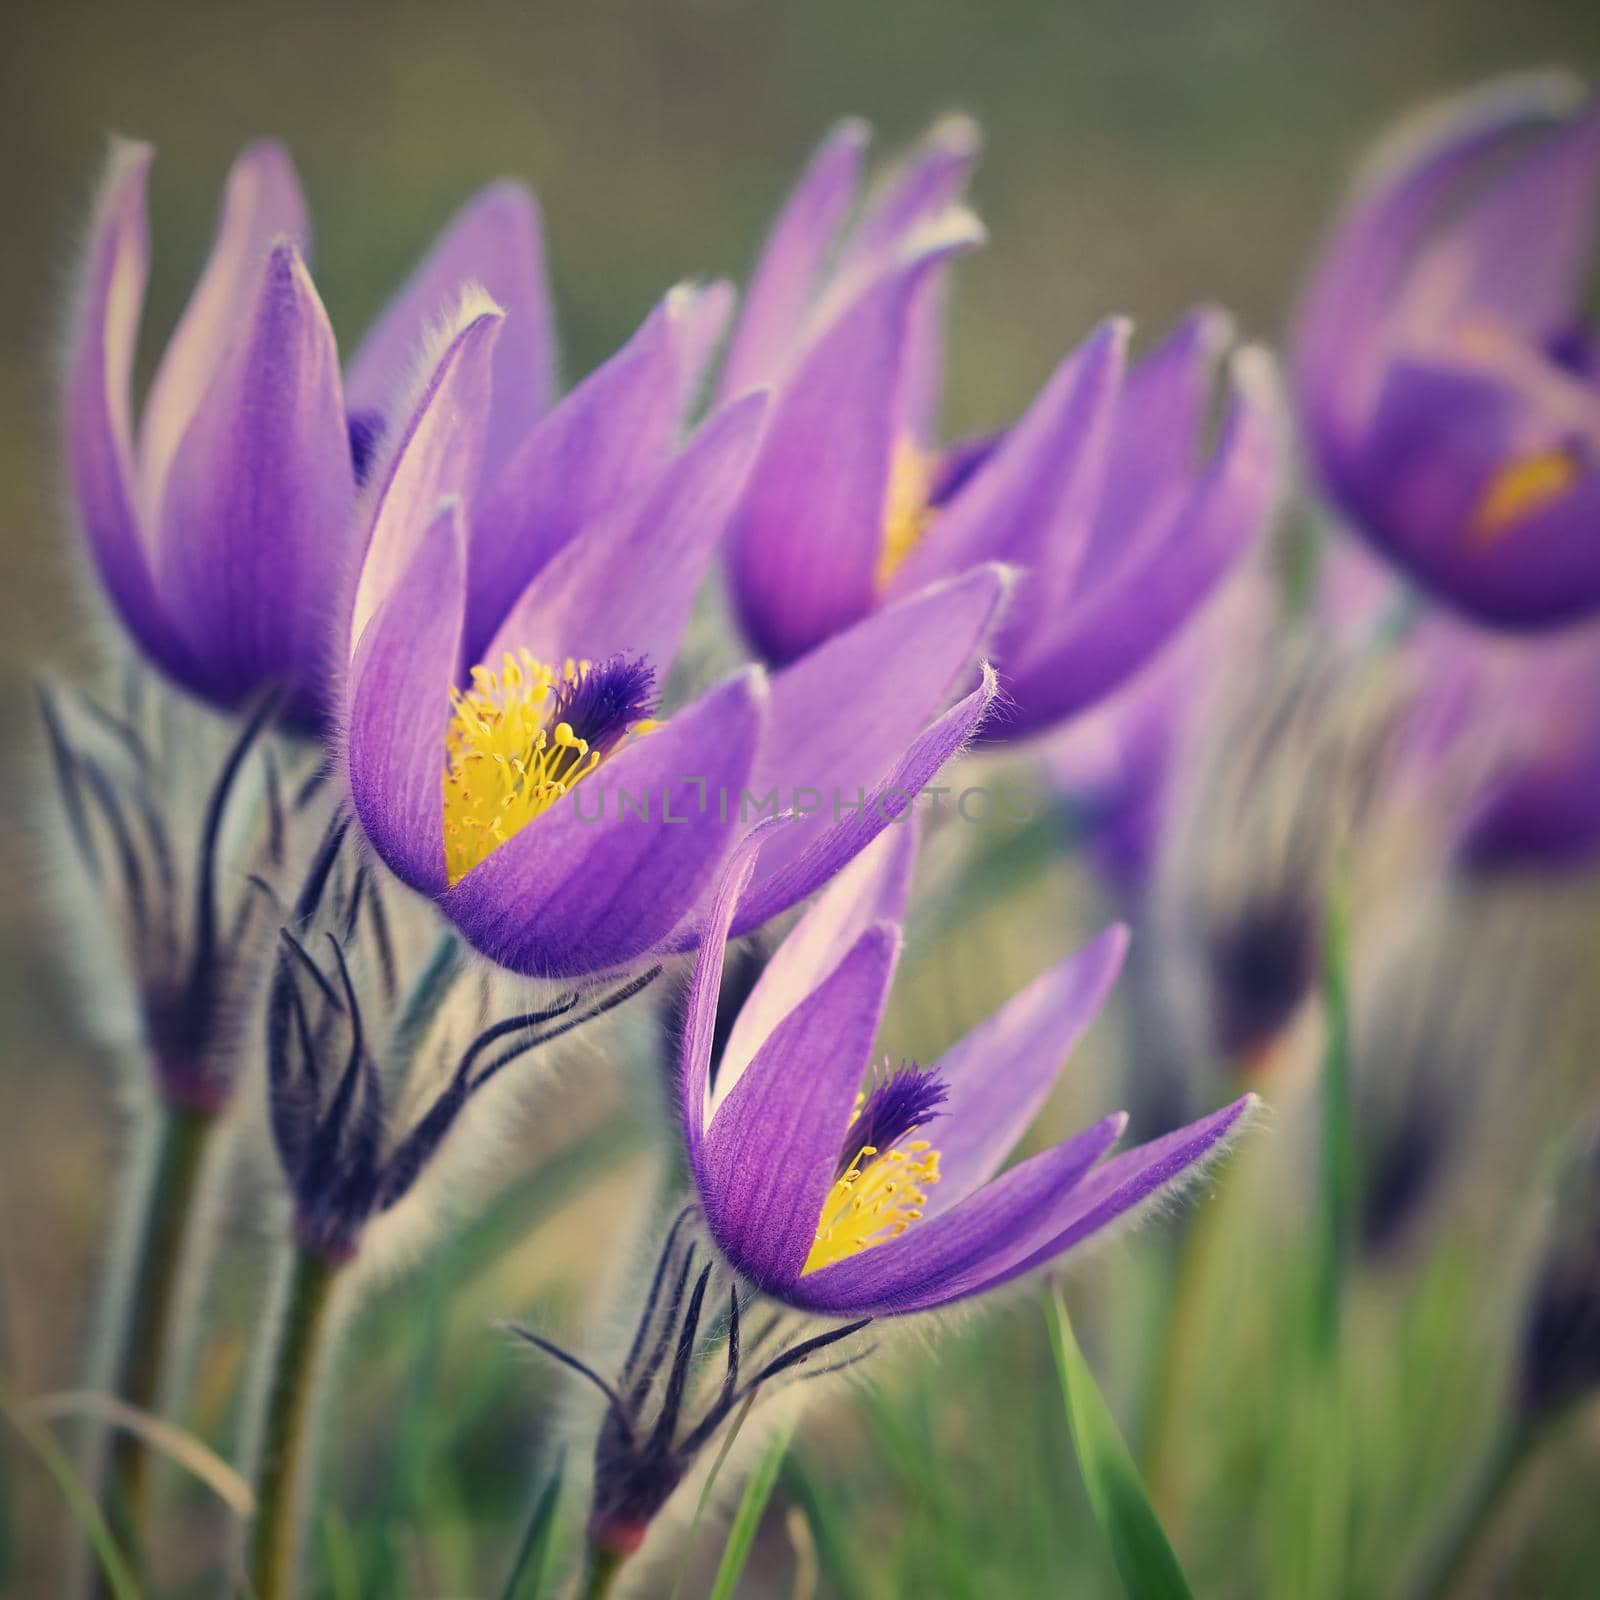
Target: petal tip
[(959, 132), (849, 133)]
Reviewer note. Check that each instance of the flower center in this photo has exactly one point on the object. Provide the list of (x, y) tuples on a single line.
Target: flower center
[(906, 511), (881, 1183), (523, 737), (1521, 487)]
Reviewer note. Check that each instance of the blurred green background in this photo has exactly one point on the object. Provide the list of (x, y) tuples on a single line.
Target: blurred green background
[(1140, 157)]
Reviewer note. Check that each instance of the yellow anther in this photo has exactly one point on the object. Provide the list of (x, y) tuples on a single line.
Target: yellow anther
[(503, 765), (906, 512), (873, 1201), (1521, 487)]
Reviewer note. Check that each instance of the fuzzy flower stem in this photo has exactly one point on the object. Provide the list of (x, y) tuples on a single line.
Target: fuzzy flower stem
[(287, 1468), (166, 1207), (604, 1565), (1499, 1474)]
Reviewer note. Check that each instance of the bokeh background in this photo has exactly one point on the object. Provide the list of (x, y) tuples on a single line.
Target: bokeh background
[(1140, 157)]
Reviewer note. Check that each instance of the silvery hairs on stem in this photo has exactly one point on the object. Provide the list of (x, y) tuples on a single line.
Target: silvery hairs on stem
[(184, 826), (362, 1088), (706, 1346)]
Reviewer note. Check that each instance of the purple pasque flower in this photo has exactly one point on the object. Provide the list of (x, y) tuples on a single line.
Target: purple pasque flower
[(517, 771), (1531, 709), (1106, 491), (850, 1193), (1446, 376), (226, 532), (1120, 766)]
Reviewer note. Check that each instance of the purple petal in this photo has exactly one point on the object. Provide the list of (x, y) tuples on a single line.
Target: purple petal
[(1345, 314), (400, 707), (700, 1015), (628, 585), (594, 450), (888, 802), (1520, 255), (918, 196), (772, 1146), (845, 714), (258, 502), (1001, 1073), (495, 242), (805, 546), (436, 455), (96, 423), (1131, 614), (788, 277), (1540, 571), (1033, 502), (1439, 437), (919, 192), (1539, 819), (1157, 443), (928, 1262), (261, 205), (1134, 1179), (871, 889), (700, 317), (591, 884)]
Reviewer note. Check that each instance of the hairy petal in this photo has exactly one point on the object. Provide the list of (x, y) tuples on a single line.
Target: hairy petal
[(258, 502), (772, 1145), (497, 243)]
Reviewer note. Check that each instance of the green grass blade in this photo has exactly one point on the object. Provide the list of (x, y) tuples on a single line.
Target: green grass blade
[(748, 1518), (829, 1527), (341, 1558), (530, 1572), (119, 1578), (1144, 1559)]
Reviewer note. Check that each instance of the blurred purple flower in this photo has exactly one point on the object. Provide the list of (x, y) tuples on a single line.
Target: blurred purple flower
[(227, 534), (884, 1200), (1104, 491), (1445, 373), (1118, 766), (535, 798), (1533, 709)]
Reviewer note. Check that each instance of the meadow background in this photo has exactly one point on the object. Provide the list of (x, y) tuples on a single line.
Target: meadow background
[(1140, 157)]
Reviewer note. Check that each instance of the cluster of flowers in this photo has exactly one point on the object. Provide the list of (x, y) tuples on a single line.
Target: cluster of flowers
[(450, 601)]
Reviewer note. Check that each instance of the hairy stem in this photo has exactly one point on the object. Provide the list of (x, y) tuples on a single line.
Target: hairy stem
[(165, 1208), (286, 1472), (604, 1565)]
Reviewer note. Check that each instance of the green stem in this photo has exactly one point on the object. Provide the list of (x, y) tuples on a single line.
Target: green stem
[(1500, 1471), (166, 1206), (287, 1467), (604, 1565)]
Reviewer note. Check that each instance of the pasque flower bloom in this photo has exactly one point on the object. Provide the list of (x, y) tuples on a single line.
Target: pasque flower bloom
[(1445, 372), (1120, 767), (1532, 707), (1104, 491), (534, 796), (845, 1192), (226, 534)]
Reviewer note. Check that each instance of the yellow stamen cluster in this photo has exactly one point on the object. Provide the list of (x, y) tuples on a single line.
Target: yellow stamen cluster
[(877, 1198), (1520, 488), (906, 512), (503, 765)]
